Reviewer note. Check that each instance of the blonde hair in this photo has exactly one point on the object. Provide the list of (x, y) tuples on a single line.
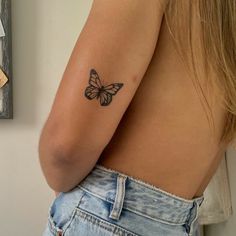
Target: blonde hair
[(212, 51)]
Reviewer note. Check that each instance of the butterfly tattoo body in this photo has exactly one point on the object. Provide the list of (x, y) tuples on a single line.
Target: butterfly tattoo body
[(99, 91)]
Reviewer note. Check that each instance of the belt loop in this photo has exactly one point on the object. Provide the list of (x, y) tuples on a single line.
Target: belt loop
[(119, 198), (192, 218)]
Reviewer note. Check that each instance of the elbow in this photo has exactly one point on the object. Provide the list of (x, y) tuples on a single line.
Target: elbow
[(53, 151), (57, 167), (55, 160), (61, 160), (55, 148)]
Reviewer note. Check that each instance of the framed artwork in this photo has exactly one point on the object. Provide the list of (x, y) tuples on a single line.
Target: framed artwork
[(6, 106)]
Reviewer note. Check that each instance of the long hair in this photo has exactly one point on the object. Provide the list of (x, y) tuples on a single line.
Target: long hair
[(205, 36)]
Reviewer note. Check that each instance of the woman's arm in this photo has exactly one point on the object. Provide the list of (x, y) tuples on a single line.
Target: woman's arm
[(115, 47)]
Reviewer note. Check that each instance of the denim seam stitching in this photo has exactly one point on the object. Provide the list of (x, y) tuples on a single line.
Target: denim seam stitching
[(130, 209), (83, 213), (194, 219), (52, 227), (148, 185), (73, 214)]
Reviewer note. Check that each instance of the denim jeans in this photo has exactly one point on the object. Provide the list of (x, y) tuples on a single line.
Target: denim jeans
[(107, 202)]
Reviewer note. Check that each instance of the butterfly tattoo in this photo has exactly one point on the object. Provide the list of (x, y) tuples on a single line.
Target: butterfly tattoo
[(96, 89)]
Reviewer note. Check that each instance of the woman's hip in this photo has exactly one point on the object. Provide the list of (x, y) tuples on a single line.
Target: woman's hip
[(108, 203)]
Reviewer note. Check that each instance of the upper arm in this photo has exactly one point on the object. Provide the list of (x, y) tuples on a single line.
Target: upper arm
[(117, 41)]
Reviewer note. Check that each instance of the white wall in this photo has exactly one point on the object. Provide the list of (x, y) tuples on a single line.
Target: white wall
[(44, 33)]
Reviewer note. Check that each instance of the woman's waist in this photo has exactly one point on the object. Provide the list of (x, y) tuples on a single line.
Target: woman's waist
[(139, 196), (176, 176)]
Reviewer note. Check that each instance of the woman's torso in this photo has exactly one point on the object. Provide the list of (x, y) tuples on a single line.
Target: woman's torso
[(164, 137)]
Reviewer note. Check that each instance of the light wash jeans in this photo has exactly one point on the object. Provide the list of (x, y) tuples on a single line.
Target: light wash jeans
[(108, 203)]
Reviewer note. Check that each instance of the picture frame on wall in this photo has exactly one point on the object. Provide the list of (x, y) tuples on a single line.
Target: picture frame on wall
[(6, 104)]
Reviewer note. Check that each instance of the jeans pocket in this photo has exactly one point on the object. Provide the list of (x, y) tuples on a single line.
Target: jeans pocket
[(62, 211), (92, 223), (91, 218)]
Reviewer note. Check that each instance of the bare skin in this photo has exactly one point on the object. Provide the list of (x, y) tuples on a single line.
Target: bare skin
[(164, 138), (158, 133)]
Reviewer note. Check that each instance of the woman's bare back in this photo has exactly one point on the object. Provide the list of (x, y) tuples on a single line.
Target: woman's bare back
[(164, 138)]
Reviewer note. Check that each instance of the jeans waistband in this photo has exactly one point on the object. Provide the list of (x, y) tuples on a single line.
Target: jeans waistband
[(124, 191)]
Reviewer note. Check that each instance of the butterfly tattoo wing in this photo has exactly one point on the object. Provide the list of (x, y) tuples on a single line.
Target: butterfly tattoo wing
[(113, 88), (94, 79), (91, 92), (107, 93), (105, 98), (96, 89)]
